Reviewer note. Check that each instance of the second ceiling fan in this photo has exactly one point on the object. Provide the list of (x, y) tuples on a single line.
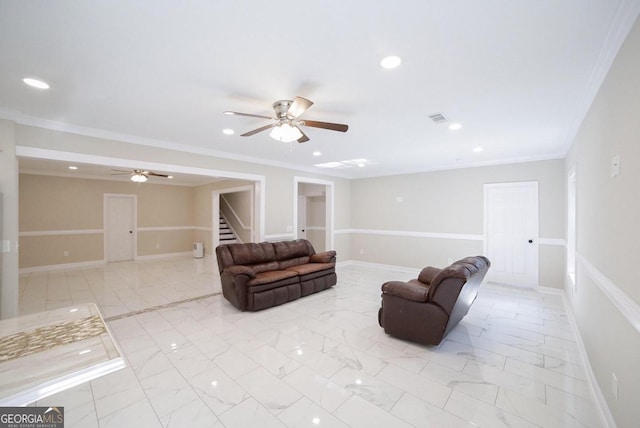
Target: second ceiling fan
[(287, 125)]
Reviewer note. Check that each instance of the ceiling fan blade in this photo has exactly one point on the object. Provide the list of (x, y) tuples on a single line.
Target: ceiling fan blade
[(255, 131), (325, 125), (155, 174), (304, 137), (299, 106), (119, 172), (235, 113)]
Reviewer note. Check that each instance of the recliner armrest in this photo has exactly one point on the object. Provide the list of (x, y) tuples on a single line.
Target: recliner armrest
[(427, 274), (240, 269), (324, 257), (414, 292)]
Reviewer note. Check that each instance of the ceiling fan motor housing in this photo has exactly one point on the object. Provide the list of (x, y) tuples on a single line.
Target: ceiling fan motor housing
[(282, 108)]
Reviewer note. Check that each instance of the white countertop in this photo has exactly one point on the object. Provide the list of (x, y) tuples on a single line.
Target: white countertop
[(45, 353)]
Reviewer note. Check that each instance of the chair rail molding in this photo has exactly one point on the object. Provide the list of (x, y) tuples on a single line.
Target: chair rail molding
[(621, 300)]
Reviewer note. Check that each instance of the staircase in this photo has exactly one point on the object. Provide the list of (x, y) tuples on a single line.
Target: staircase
[(226, 234)]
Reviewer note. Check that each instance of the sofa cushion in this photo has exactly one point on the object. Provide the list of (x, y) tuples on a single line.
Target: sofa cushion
[(284, 264), (428, 274), (263, 267), (271, 276), (252, 253), (324, 257), (405, 290), (310, 268), (287, 250)]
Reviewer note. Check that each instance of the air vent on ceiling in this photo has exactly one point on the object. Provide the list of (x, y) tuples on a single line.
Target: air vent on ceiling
[(438, 118)]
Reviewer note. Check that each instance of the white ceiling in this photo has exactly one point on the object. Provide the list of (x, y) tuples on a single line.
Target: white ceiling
[(518, 75)]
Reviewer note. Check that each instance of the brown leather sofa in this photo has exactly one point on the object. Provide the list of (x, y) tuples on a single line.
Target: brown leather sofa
[(257, 276), (426, 309)]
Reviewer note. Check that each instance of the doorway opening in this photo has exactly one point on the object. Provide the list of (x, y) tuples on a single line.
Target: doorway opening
[(237, 206), (313, 212)]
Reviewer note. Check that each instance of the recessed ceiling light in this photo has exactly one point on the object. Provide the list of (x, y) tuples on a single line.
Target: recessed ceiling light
[(229, 113), (169, 176), (73, 167), (228, 131), (454, 126), (477, 149), (317, 153), (390, 62), (35, 83), (361, 165)]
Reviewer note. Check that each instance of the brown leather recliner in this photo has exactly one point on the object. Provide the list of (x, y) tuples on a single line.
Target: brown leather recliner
[(257, 276), (426, 309)]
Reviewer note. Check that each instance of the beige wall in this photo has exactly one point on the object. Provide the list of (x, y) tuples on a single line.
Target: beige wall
[(8, 221), (451, 201), (608, 236), (52, 204)]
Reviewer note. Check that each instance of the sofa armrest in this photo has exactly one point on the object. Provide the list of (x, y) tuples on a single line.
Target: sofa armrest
[(324, 257), (240, 270), (414, 292), (427, 274)]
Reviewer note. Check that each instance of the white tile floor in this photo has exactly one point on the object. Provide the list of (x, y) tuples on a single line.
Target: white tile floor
[(319, 361)]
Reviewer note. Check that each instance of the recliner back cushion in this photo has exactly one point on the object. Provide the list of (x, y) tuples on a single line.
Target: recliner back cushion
[(462, 272), (288, 250), (477, 262), (252, 253)]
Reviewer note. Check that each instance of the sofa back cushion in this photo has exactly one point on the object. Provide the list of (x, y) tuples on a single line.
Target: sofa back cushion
[(293, 253), (260, 257)]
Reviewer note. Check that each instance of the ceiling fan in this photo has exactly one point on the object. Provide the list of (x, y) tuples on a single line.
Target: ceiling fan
[(287, 125), (140, 175)]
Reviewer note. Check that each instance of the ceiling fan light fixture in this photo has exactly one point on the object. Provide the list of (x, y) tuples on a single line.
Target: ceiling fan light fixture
[(35, 83), (390, 62), (286, 133), (138, 178)]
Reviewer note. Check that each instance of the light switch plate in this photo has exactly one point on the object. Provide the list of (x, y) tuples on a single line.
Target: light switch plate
[(6, 246)]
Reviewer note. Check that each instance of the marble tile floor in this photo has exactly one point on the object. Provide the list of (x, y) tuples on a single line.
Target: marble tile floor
[(320, 361)]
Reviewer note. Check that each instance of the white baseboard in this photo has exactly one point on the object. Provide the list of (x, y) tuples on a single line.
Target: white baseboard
[(550, 290), (602, 407), (93, 263), (61, 266), (408, 270), (164, 256)]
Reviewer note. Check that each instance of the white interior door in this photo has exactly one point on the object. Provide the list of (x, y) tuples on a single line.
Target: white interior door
[(511, 232), (302, 217), (120, 227)]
